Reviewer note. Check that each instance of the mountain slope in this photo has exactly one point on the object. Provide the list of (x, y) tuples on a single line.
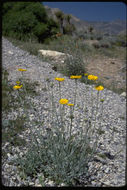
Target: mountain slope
[(113, 27)]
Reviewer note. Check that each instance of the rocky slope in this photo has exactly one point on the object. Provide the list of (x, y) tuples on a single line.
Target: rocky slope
[(111, 170)]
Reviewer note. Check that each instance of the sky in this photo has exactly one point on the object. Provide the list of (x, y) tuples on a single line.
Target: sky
[(92, 11)]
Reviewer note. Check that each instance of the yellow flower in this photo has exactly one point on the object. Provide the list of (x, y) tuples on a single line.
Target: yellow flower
[(95, 78), (17, 82), (59, 79), (22, 70), (63, 101), (70, 104), (92, 77), (17, 87), (86, 74), (75, 76), (99, 88)]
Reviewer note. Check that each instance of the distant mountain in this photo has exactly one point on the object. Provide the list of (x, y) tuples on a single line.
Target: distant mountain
[(113, 27)]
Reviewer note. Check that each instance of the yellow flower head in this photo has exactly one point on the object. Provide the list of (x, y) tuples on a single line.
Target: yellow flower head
[(18, 82), (22, 70), (92, 77), (17, 87), (63, 101), (70, 104), (75, 76), (86, 74), (99, 88), (59, 79)]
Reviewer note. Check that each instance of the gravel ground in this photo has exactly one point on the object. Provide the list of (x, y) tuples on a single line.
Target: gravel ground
[(111, 171)]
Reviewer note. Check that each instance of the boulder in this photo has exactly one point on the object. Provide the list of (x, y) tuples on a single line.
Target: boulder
[(54, 54)]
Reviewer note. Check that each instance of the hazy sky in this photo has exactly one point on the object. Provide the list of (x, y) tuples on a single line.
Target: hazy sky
[(92, 11)]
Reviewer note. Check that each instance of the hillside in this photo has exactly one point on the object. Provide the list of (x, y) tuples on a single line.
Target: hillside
[(113, 27)]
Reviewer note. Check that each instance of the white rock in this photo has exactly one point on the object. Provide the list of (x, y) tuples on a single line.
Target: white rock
[(10, 52), (53, 54), (8, 154), (31, 183), (123, 94), (50, 183), (107, 170), (38, 185), (63, 184)]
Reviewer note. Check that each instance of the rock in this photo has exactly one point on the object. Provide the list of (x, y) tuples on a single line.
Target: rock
[(109, 155), (107, 77), (107, 170), (38, 185), (50, 183), (31, 183), (99, 159), (10, 52), (63, 184), (123, 94), (51, 53), (54, 54)]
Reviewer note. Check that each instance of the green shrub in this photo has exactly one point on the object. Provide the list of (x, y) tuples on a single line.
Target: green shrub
[(24, 20)]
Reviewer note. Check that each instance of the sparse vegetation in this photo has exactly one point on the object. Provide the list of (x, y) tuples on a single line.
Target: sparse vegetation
[(10, 102), (80, 50)]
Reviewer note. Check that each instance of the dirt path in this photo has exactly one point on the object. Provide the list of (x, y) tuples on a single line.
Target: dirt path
[(109, 70)]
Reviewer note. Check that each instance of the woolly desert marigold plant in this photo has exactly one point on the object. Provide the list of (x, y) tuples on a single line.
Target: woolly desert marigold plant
[(59, 79), (75, 76), (22, 69), (63, 101), (17, 87), (99, 88), (92, 77)]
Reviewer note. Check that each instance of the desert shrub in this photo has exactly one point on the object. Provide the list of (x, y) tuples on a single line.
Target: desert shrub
[(68, 29), (121, 40), (104, 44), (96, 45)]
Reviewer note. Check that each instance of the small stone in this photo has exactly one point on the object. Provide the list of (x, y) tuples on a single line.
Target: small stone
[(63, 184), (31, 183), (109, 156), (51, 183), (10, 52), (93, 183), (123, 94), (9, 155), (38, 185), (99, 159), (107, 170)]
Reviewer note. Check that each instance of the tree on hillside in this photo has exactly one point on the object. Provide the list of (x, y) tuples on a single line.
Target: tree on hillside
[(68, 28), (25, 20), (68, 18), (60, 17), (91, 29)]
